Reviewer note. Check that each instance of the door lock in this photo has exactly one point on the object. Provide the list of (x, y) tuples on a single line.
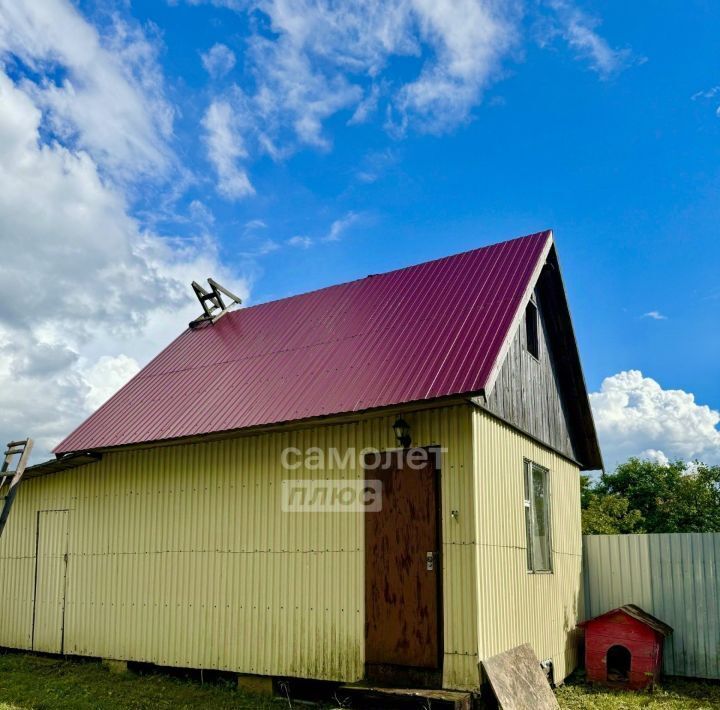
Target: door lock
[(430, 558)]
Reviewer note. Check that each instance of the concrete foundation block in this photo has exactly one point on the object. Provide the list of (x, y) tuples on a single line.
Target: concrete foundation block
[(258, 684), (115, 666)]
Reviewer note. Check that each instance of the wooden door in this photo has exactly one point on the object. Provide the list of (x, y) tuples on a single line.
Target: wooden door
[(402, 567), (50, 580)]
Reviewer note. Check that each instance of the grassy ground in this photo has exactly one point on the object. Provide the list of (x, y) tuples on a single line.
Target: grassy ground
[(674, 694), (39, 683)]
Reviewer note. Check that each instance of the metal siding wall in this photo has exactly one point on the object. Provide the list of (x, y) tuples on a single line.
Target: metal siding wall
[(17, 573), (514, 606), (180, 555), (675, 577), (50, 586)]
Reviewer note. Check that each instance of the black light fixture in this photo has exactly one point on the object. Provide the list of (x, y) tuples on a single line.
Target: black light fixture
[(402, 432)]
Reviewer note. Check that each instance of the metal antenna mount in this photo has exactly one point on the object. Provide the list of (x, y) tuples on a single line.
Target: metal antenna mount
[(212, 302)]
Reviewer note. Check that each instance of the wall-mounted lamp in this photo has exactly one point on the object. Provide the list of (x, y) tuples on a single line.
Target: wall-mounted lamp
[(402, 432)]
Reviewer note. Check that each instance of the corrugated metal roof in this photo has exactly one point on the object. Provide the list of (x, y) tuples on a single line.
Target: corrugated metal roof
[(421, 332), (63, 463)]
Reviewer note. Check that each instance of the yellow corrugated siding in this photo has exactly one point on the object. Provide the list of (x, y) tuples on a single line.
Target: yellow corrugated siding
[(180, 555), (50, 585), (516, 607)]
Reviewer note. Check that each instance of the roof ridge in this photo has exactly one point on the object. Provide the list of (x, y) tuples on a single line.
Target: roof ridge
[(543, 232)]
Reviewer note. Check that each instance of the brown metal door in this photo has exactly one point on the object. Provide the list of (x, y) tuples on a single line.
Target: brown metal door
[(402, 568)]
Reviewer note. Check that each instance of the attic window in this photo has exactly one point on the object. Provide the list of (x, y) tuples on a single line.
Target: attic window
[(531, 330)]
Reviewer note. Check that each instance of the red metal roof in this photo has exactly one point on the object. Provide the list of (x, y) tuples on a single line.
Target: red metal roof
[(417, 333), (635, 612)]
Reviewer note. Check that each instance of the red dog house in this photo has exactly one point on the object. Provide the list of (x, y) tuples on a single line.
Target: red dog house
[(623, 647)]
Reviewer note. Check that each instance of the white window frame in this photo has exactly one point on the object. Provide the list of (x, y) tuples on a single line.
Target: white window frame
[(530, 520)]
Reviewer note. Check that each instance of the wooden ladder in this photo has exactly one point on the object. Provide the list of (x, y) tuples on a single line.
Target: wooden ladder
[(10, 479)]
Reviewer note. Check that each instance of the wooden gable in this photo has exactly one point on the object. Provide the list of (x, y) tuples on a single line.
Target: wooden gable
[(546, 396)]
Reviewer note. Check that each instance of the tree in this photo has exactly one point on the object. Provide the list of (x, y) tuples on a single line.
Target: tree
[(609, 515), (695, 507), (645, 496), (586, 491)]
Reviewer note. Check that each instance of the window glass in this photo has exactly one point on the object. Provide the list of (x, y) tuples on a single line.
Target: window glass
[(537, 518)]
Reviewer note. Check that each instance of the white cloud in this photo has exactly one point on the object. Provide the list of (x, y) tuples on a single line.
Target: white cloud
[(218, 61), (262, 248), (308, 60), (375, 164), (225, 148), (107, 376), (654, 315), (708, 94), (109, 99), (326, 52), (200, 213), (85, 281), (292, 95), (325, 57), (300, 241), (337, 228), (340, 226), (469, 39), (655, 456), (367, 107), (579, 30), (92, 292), (635, 416)]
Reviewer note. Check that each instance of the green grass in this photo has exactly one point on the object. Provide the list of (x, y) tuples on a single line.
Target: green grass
[(37, 682), (673, 694)]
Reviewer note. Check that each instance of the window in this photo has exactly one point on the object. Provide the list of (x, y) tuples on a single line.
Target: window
[(537, 518), (531, 329)]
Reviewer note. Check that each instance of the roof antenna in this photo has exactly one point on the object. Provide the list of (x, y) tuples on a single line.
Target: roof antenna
[(212, 302)]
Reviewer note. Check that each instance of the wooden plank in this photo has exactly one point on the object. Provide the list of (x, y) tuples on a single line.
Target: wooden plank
[(518, 681), (364, 696)]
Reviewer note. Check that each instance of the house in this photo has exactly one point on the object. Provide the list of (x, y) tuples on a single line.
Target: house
[(196, 518)]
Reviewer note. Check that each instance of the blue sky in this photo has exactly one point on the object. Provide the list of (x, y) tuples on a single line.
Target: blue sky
[(285, 145)]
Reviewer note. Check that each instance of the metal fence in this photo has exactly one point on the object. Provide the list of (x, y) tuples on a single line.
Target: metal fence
[(675, 577)]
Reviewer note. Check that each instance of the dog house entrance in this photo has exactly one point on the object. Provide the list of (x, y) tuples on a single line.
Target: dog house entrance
[(618, 664)]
